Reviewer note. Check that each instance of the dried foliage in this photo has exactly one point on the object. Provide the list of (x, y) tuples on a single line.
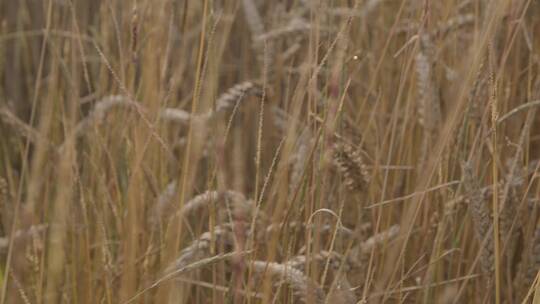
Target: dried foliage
[(257, 151)]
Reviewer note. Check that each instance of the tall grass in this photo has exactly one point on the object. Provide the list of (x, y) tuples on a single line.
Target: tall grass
[(251, 151)]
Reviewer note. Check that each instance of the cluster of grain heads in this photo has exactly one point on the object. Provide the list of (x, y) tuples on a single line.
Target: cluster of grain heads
[(221, 242), (226, 101)]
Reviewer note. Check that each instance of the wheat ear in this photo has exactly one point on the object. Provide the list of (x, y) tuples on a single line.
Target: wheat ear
[(307, 290), (350, 163), (201, 247), (429, 108), (20, 127), (480, 215), (529, 265)]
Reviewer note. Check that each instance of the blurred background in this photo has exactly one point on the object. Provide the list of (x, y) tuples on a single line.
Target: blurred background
[(252, 151)]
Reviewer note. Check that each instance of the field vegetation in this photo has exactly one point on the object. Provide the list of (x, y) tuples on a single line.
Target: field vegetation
[(269, 151)]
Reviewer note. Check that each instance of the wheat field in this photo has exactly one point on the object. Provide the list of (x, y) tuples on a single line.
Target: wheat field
[(269, 151)]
